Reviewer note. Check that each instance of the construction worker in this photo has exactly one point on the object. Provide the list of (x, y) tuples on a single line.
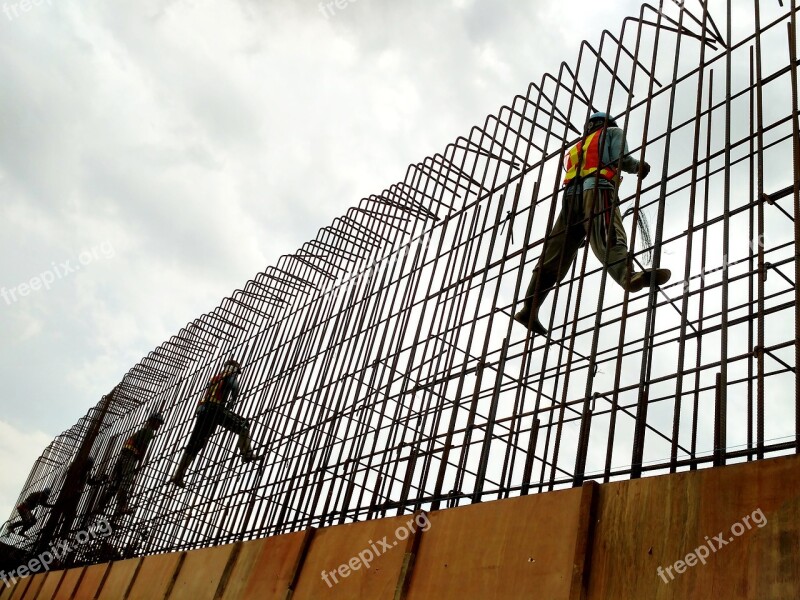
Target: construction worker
[(215, 410), (124, 472), (590, 209), (26, 508)]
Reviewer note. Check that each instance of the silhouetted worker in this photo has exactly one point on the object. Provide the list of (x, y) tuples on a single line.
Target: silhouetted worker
[(26, 508), (124, 472), (72, 498), (86, 475), (215, 410), (589, 209)]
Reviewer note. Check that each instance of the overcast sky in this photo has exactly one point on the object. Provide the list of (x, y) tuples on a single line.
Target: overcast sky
[(155, 156)]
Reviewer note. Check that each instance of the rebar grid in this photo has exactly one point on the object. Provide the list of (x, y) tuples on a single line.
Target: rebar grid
[(382, 371)]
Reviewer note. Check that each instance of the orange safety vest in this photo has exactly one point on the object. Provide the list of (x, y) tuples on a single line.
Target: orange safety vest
[(131, 447), (214, 391), (587, 153)]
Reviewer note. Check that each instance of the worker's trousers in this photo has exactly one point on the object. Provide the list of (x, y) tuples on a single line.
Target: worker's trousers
[(210, 415), (121, 481), (593, 213)]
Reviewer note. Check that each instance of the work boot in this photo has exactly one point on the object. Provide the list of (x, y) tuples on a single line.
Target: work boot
[(246, 450), (529, 315), (252, 457), (641, 279), (661, 276), (531, 321), (183, 466)]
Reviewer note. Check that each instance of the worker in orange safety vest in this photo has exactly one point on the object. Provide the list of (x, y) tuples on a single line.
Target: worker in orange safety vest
[(589, 209), (124, 472), (216, 410)]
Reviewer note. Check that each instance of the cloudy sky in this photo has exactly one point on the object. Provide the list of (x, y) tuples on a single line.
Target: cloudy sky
[(153, 157)]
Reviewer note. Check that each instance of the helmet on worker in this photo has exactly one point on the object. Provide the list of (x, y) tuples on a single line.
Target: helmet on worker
[(156, 419), (598, 120), (233, 365)]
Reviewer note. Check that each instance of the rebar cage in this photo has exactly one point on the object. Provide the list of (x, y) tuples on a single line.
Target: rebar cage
[(382, 371)]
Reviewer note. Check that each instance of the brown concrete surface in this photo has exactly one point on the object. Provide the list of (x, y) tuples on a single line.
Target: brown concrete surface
[(119, 579), (34, 586), (336, 546), (68, 584), (264, 568), (517, 548), (48, 590), (652, 522), (155, 576), (90, 582), (201, 573)]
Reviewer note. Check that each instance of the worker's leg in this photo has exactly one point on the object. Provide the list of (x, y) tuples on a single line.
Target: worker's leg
[(558, 254), (127, 475), (607, 231), (204, 426), (113, 485), (28, 520), (238, 425), (21, 509)]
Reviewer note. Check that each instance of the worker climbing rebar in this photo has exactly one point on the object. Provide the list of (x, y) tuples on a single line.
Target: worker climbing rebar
[(124, 472), (26, 508), (589, 208), (216, 410)]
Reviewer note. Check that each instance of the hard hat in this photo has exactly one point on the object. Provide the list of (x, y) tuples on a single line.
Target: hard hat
[(232, 363), (156, 417), (601, 116)]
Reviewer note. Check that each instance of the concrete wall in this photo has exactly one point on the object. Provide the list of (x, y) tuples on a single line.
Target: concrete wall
[(730, 533)]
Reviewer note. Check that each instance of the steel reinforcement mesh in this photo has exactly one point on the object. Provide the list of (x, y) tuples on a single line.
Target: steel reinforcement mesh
[(382, 371)]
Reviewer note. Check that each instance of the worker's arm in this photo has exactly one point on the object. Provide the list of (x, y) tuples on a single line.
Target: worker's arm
[(232, 383), (37, 499), (616, 146)]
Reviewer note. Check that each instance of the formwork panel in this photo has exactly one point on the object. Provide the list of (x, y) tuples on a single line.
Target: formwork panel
[(653, 523), (201, 573), (119, 579), (264, 568), (69, 583), (50, 585), (155, 576), (19, 590), (342, 552), (34, 587), (90, 582), (7, 590), (517, 548)]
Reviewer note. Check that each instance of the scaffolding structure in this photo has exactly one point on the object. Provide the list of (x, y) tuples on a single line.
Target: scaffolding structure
[(382, 371)]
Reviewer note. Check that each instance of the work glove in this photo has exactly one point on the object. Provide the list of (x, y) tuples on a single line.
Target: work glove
[(644, 169)]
